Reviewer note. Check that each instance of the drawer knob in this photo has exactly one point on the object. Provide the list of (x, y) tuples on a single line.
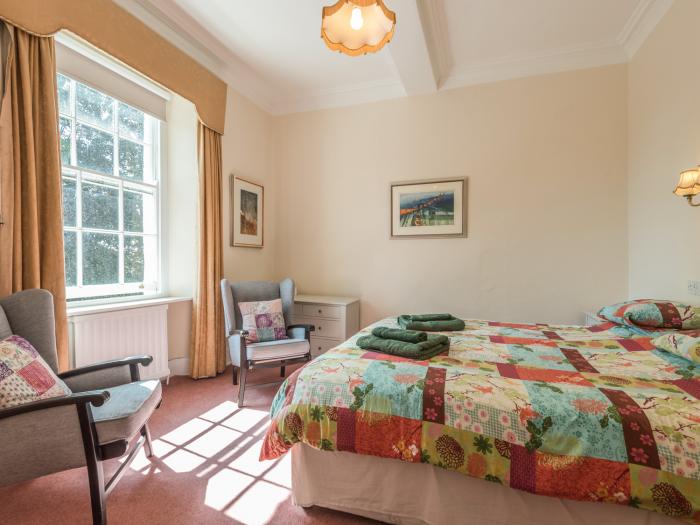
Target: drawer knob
[(319, 311), (319, 347), (320, 328)]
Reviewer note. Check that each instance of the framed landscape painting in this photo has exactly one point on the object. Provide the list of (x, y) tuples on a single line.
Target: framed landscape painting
[(429, 208), (247, 213)]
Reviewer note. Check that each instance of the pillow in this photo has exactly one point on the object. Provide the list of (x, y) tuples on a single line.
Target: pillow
[(648, 313), (263, 320), (680, 344), (24, 375)]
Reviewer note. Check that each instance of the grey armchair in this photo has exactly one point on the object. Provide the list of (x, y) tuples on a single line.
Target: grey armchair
[(108, 408), (247, 356)]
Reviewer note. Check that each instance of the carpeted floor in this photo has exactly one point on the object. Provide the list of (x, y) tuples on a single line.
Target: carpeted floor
[(206, 469)]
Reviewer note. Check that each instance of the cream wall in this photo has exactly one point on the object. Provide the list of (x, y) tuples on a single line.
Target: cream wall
[(179, 331), (546, 161), (664, 139), (247, 153)]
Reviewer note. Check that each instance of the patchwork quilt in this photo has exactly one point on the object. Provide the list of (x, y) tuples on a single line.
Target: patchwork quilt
[(586, 413)]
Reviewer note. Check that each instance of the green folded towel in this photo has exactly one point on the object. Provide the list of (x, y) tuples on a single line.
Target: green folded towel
[(419, 322), (431, 317), (434, 345), (408, 336)]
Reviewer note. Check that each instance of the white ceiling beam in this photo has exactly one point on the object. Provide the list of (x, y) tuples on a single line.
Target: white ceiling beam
[(410, 51)]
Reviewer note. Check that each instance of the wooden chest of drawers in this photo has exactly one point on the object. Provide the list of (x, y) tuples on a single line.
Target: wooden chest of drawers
[(335, 318)]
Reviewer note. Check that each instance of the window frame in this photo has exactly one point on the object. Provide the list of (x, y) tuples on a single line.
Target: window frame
[(93, 294)]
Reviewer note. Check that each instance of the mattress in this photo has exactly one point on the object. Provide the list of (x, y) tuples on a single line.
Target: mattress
[(593, 414)]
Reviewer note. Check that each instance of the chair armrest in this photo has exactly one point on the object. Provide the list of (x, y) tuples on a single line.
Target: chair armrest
[(95, 398), (132, 362), (308, 328), (237, 347)]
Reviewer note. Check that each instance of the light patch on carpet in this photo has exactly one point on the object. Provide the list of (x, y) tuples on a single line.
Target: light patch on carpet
[(186, 431), (213, 441), (225, 486), (207, 470), (182, 461), (258, 504), (141, 462), (245, 419), (220, 411), (249, 461), (241, 445)]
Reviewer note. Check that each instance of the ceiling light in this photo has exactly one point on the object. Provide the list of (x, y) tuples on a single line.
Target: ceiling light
[(356, 19), (357, 27)]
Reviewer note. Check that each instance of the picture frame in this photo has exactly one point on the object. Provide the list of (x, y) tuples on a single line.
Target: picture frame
[(428, 208), (247, 213)]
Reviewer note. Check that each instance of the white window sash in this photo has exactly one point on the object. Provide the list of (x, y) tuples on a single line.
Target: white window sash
[(86, 294)]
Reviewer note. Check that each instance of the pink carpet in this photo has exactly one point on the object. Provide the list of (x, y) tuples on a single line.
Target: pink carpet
[(206, 469)]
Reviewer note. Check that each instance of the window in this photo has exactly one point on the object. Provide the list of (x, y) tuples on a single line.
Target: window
[(111, 183)]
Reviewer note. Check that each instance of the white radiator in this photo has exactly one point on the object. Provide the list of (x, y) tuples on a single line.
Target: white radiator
[(122, 333)]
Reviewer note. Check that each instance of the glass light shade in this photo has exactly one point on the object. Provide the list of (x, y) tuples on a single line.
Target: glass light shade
[(689, 183), (342, 31)]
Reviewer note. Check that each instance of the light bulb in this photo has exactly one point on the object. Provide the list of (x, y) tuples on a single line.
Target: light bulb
[(356, 21)]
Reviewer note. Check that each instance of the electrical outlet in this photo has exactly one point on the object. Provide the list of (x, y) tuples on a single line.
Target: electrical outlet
[(694, 287)]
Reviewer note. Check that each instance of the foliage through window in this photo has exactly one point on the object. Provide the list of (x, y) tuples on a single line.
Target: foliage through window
[(109, 154)]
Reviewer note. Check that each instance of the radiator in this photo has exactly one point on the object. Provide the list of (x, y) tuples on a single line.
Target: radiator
[(122, 333)]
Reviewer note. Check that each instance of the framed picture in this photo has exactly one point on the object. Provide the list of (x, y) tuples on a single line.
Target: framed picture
[(429, 208), (247, 213)]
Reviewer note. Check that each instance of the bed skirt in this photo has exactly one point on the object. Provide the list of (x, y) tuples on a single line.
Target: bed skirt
[(420, 494)]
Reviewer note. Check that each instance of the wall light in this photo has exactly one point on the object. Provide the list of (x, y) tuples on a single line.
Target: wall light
[(689, 185)]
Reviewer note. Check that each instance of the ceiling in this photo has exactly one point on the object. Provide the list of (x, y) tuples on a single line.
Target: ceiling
[(272, 52)]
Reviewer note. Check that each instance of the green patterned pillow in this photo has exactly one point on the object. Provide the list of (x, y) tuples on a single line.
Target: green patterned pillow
[(681, 345), (650, 313)]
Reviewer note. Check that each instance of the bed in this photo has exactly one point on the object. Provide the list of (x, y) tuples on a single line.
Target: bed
[(578, 414)]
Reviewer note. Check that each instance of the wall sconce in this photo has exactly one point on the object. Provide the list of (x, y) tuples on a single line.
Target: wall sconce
[(689, 185)]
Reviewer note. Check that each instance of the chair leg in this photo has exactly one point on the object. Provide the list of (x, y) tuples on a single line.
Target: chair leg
[(146, 432), (96, 479), (281, 371), (241, 387), (235, 374)]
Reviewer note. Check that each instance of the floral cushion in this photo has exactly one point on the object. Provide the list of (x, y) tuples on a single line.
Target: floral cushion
[(649, 313), (682, 345), (263, 320), (24, 375)]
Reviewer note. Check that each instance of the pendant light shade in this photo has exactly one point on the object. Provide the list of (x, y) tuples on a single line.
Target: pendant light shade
[(357, 27)]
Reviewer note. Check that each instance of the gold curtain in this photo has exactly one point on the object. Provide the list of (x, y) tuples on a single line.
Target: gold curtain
[(31, 236), (207, 354)]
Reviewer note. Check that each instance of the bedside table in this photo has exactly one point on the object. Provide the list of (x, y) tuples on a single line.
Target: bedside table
[(336, 319), (592, 319)]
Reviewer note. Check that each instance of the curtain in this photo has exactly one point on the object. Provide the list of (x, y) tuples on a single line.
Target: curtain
[(31, 234), (207, 354)]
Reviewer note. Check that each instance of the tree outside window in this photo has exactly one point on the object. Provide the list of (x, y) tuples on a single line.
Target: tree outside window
[(109, 153)]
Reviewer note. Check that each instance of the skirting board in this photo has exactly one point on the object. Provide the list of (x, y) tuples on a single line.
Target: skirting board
[(181, 366)]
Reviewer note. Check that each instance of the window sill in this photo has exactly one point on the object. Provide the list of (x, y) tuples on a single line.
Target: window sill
[(77, 311)]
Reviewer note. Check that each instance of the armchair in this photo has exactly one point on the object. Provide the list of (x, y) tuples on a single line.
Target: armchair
[(247, 356), (108, 408)]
